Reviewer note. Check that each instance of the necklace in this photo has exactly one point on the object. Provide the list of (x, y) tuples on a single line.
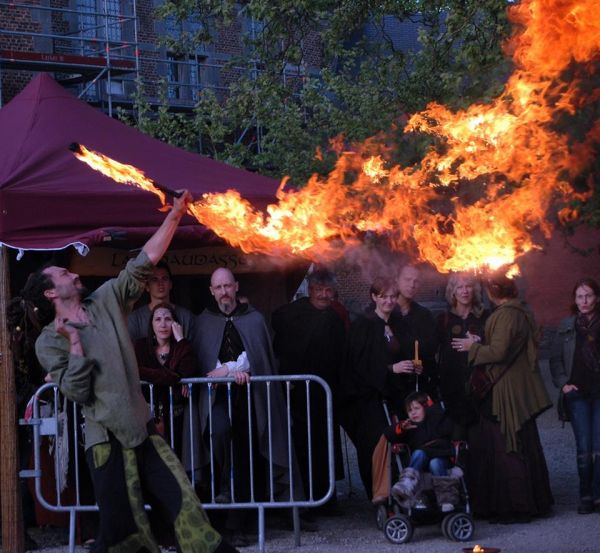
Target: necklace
[(162, 356)]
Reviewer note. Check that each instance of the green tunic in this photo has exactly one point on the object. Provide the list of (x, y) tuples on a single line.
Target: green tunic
[(519, 394), (105, 381)]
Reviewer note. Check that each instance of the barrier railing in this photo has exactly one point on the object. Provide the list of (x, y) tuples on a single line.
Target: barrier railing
[(211, 408)]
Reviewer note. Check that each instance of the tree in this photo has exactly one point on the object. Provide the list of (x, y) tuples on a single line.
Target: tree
[(284, 108)]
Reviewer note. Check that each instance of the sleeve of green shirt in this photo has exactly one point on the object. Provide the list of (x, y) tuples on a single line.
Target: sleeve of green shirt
[(72, 373), (130, 284)]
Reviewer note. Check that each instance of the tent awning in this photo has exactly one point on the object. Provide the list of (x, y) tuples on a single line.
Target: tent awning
[(50, 200)]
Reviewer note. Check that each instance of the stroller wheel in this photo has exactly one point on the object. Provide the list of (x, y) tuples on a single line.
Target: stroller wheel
[(444, 526), (458, 527), (381, 516), (398, 529)]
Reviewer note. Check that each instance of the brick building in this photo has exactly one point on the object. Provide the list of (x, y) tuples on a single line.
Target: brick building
[(100, 47)]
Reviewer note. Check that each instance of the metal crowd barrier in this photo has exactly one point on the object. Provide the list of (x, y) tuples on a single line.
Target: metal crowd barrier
[(51, 414)]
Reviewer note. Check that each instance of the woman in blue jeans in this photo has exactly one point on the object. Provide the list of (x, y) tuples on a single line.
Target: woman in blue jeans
[(575, 368)]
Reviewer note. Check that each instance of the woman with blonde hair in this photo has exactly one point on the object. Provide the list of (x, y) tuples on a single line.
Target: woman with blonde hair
[(507, 469), (465, 315)]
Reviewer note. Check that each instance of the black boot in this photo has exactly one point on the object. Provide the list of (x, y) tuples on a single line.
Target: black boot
[(586, 506)]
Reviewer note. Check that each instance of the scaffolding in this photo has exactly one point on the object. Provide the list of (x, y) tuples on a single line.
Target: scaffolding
[(92, 45)]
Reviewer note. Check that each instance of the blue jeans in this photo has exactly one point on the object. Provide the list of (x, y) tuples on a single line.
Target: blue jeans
[(585, 420), (438, 466)]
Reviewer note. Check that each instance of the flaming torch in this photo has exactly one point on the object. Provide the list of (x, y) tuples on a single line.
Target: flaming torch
[(120, 172)]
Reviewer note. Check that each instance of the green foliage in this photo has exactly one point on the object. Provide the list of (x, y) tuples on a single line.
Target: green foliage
[(274, 123)]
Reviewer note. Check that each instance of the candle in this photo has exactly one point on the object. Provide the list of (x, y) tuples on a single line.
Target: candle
[(417, 363)]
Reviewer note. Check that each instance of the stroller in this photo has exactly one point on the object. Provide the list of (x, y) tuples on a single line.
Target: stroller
[(398, 518)]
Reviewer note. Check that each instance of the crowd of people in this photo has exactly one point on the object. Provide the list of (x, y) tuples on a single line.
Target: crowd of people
[(469, 376)]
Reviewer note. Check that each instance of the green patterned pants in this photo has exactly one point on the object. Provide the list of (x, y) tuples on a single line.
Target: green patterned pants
[(126, 478)]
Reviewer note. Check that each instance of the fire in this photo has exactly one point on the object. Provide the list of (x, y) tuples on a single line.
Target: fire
[(473, 203), (478, 549), (119, 172)]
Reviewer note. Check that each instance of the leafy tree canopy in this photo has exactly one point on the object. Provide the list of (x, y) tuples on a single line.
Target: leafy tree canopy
[(285, 104)]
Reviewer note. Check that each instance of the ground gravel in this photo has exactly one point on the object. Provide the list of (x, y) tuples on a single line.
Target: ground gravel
[(565, 531)]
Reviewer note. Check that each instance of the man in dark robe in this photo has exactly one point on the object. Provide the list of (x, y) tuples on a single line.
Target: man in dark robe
[(231, 340), (421, 325), (309, 339)]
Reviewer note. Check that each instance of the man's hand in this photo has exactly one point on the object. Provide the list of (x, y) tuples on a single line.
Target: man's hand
[(65, 329), (241, 377), (219, 372), (569, 388), (180, 204), (158, 243)]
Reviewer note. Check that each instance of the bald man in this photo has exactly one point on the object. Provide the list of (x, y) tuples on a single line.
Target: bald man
[(231, 340)]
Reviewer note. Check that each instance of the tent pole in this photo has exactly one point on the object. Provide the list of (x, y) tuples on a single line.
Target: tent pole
[(12, 514)]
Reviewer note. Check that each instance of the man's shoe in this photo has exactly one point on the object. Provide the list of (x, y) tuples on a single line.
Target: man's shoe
[(586, 506)]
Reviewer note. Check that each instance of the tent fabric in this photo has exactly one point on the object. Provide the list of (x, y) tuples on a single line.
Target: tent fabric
[(50, 200)]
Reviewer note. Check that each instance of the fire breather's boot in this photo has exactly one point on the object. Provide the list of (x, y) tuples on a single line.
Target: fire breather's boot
[(446, 491), (405, 489)]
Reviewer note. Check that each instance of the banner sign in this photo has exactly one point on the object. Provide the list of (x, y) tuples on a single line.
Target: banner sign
[(199, 261)]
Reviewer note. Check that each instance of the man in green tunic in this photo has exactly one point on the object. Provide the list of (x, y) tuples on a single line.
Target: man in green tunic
[(87, 352)]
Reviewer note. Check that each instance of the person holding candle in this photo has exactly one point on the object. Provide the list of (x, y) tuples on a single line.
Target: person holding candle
[(379, 365), (466, 314), (421, 326), (575, 369), (507, 469)]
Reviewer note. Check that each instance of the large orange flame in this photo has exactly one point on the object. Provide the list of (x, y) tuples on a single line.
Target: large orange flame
[(119, 172), (472, 202)]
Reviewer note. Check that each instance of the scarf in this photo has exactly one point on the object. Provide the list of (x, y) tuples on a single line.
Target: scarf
[(588, 329)]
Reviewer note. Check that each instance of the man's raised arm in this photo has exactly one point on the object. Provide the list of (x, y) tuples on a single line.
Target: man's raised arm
[(158, 243)]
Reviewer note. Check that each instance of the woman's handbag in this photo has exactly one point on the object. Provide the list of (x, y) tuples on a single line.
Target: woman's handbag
[(480, 383), (561, 407)]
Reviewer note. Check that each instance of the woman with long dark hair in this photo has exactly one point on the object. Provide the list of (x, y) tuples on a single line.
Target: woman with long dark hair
[(507, 469), (164, 357), (575, 369)]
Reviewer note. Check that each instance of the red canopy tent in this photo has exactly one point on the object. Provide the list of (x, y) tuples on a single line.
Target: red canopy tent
[(49, 199)]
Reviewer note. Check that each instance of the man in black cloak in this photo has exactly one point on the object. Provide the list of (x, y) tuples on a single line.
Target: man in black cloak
[(421, 325), (309, 339), (231, 339)]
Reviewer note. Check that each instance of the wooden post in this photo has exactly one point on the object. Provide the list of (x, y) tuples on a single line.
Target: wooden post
[(12, 514)]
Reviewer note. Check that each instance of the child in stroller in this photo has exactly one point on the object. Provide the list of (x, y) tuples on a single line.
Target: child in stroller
[(428, 487)]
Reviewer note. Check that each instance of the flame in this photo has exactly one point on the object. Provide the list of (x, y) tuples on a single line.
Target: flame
[(476, 200), (478, 549), (119, 172)]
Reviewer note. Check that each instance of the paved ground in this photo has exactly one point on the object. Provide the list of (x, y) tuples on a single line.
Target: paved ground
[(564, 532)]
